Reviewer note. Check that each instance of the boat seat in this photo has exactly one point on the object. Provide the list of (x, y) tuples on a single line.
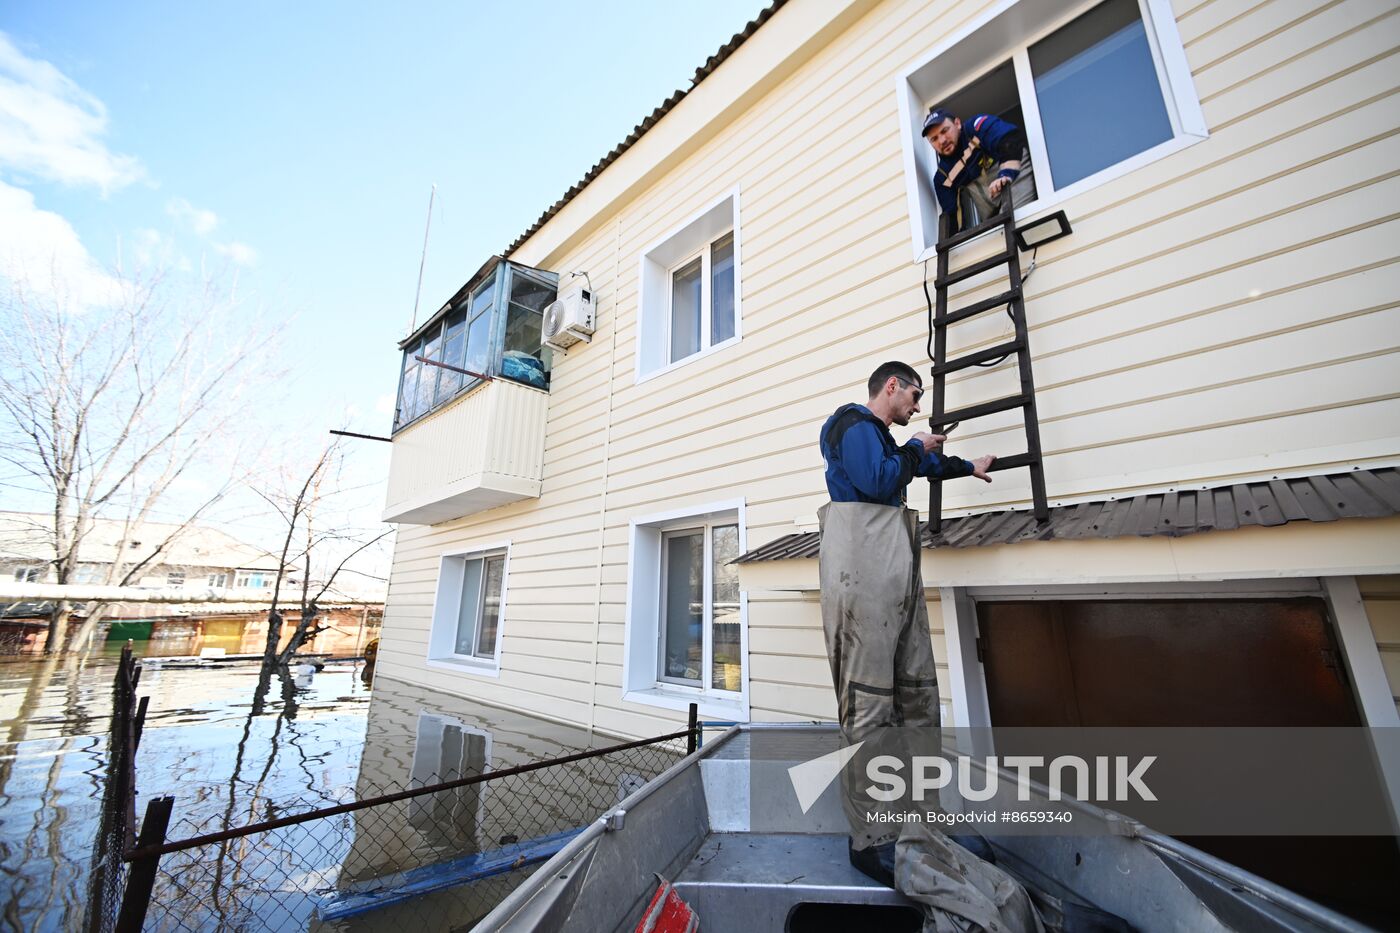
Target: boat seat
[(755, 881)]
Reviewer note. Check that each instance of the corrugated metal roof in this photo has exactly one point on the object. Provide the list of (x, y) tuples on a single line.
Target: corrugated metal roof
[(1323, 498), (640, 130)]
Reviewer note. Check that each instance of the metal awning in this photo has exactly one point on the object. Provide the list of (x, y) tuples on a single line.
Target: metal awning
[(1356, 493)]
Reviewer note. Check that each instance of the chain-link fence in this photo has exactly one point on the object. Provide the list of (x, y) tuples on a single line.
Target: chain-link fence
[(432, 856), (116, 816)]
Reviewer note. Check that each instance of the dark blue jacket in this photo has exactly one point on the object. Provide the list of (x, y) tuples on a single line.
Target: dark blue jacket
[(997, 140), (864, 464)]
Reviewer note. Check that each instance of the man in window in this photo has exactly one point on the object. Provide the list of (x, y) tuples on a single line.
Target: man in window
[(981, 158), (877, 639)]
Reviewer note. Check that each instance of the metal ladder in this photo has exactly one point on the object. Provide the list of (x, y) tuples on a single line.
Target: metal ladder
[(1019, 345)]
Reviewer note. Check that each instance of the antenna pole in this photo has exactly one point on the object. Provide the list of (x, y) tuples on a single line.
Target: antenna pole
[(423, 260)]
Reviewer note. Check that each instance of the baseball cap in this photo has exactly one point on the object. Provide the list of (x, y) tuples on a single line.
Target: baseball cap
[(936, 116)]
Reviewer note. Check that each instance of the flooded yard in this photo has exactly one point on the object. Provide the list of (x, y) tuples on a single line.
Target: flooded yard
[(317, 741), (202, 744)]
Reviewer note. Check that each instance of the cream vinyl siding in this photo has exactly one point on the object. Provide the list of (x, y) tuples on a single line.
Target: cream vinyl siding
[(1227, 311), (1381, 595)]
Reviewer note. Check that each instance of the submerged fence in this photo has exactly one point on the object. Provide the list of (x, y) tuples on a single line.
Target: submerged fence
[(117, 814), (436, 856)]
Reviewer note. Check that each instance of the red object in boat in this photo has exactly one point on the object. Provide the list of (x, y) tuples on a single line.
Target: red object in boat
[(667, 913)]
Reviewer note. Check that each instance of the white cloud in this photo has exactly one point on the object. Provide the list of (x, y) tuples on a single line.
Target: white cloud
[(384, 405), (240, 254), (155, 250), (198, 219), (50, 128), (42, 251)]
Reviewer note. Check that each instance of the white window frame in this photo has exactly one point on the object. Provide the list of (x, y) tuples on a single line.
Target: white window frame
[(642, 680), (695, 236), (218, 581), (442, 630), (29, 574), (1005, 32), (176, 578)]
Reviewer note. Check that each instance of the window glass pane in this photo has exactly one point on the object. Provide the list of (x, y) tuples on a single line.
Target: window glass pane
[(722, 289), (685, 311), (468, 608), (479, 343), (521, 358), (490, 608), (1100, 102), (726, 655), (427, 377), (684, 606), (408, 389), (454, 345), (481, 298), (529, 293)]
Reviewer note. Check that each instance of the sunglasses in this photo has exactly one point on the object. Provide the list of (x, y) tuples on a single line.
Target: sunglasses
[(918, 393)]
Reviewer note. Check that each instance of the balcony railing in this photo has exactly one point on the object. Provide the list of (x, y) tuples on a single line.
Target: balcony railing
[(484, 449)]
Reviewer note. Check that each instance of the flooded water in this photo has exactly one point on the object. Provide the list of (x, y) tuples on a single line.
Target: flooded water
[(318, 741), (202, 744)]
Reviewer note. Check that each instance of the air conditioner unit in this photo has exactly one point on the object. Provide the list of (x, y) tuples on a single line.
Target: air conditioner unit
[(569, 318)]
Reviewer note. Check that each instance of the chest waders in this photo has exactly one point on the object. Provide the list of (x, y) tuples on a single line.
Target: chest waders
[(877, 639)]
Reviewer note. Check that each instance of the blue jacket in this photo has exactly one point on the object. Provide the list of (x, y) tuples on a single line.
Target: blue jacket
[(997, 141), (864, 464)]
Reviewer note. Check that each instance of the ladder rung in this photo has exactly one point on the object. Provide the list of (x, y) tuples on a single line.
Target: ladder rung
[(987, 304), (977, 411), (976, 268), (981, 356), (971, 233), (1013, 462)]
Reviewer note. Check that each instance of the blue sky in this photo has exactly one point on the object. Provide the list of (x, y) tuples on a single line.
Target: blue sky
[(309, 134), (296, 143)]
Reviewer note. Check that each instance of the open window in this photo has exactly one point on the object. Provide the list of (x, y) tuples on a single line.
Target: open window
[(1100, 88), (492, 327)]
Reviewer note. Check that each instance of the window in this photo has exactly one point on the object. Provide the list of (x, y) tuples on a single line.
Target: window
[(89, 573), (254, 579), (468, 609), (29, 574), (217, 581), (702, 300), (175, 578), (491, 327), (700, 609), (1100, 88), (690, 291), (685, 637)]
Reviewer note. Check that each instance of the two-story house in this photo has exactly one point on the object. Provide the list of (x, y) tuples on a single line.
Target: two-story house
[(1215, 346)]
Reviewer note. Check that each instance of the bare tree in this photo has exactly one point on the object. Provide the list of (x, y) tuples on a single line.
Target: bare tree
[(323, 554), (103, 409)]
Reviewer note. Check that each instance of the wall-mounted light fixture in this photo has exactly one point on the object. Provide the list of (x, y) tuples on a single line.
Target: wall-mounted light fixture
[(1042, 231)]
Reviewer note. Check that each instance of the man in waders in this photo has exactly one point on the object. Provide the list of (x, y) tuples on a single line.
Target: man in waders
[(877, 638)]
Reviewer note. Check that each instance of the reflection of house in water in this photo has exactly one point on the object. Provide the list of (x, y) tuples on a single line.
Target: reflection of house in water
[(416, 737), (446, 749)]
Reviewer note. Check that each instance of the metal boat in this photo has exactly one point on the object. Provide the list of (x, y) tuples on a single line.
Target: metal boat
[(789, 870)]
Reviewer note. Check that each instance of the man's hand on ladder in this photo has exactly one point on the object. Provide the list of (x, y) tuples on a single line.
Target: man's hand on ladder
[(981, 465)]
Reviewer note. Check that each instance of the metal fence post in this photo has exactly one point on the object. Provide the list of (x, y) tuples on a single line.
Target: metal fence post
[(142, 877), (693, 725)]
